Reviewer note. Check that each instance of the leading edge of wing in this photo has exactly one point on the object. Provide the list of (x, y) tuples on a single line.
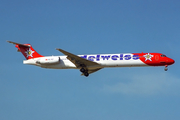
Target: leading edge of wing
[(78, 60)]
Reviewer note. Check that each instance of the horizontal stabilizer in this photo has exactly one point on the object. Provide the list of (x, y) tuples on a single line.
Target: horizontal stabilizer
[(18, 44)]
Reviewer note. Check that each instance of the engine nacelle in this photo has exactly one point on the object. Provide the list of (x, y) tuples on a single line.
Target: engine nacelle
[(48, 60)]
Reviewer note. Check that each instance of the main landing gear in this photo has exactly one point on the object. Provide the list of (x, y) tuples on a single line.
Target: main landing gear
[(84, 71), (166, 68)]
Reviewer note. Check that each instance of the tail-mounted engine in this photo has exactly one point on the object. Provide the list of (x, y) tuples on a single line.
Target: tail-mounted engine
[(48, 60)]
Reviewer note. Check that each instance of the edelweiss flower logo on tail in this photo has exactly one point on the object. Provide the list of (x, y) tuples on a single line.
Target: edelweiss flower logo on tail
[(148, 56), (29, 53)]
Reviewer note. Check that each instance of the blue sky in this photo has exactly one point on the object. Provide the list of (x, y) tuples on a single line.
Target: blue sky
[(89, 27)]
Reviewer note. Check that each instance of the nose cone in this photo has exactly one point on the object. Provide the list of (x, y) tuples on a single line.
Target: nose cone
[(171, 61)]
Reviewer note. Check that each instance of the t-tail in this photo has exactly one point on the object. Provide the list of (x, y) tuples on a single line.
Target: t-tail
[(26, 50)]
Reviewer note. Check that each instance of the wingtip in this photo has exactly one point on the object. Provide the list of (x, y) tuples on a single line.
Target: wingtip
[(59, 49)]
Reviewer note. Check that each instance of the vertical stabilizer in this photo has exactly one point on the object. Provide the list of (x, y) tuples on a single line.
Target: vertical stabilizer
[(26, 50)]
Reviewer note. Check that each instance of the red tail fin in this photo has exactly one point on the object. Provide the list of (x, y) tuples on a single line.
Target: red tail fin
[(26, 50)]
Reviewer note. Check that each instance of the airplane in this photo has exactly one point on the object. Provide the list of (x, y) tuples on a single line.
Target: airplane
[(88, 64)]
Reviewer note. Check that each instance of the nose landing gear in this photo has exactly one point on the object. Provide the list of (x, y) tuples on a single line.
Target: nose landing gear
[(166, 68)]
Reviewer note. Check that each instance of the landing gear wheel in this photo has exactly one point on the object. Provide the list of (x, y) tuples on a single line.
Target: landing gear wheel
[(86, 74), (82, 70), (166, 68)]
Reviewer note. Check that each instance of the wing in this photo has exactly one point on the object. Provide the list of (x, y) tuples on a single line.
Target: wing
[(81, 62), (78, 61)]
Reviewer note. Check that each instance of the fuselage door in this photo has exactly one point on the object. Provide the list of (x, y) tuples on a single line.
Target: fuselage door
[(157, 57)]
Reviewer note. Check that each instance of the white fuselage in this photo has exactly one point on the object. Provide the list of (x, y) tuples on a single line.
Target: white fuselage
[(104, 60)]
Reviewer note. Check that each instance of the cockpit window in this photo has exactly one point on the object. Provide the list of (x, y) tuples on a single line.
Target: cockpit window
[(163, 55)]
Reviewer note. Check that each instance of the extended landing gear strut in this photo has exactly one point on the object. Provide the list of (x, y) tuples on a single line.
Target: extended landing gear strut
[(84, 71), (166, 68)]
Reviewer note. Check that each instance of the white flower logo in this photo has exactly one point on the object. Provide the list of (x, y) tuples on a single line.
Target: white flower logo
[(148, 56), (29, 53)]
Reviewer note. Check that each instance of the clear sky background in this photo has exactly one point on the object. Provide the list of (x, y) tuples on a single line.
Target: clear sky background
[(89, 27)]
